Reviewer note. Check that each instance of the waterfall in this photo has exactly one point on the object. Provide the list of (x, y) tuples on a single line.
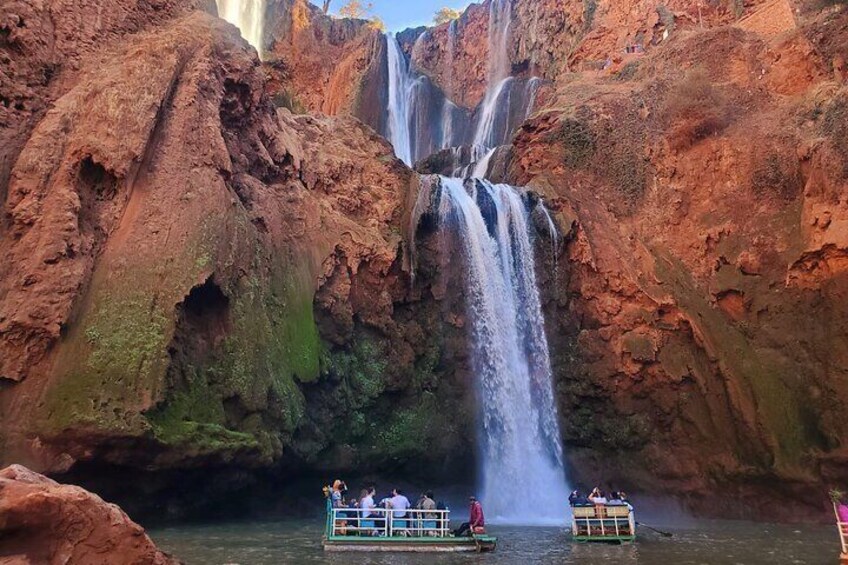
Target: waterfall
[(248, 16), (494, 115), (401, 104), (522, 470), (493, 122), (451, 49), (500, 19), (522, 476)]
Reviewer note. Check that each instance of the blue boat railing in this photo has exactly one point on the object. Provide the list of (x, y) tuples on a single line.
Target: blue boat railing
[(603, 521), (388, 522)]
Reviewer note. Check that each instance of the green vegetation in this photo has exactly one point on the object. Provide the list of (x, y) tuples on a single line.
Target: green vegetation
[(107, 363), (194, 420), (446, 15), (409, 431), (359, 370), (122, 373), (286, 99), (577, 140)]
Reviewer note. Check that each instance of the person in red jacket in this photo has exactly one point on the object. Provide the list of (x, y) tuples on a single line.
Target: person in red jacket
[(475, 521)]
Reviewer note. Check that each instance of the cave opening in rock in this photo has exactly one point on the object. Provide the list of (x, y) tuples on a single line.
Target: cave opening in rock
[(203, 321)]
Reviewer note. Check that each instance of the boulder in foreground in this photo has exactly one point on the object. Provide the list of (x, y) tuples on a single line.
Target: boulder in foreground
[(44, 522)]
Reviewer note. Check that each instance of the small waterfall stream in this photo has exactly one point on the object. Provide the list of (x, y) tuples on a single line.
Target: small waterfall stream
[(522, 473), (401, 101), (248, 16)]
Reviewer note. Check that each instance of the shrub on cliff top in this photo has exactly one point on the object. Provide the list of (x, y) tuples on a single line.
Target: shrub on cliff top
[(577, 141), (778, 174), (694, 109), (834, 123)]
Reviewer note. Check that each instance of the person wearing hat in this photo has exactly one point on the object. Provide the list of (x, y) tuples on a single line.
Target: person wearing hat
[(476, 523)]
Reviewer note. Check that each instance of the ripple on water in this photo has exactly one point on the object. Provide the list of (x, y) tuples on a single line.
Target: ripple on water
[(700, 543)]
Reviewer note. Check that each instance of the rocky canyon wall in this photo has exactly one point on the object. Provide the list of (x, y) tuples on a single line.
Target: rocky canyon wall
[(700, 295), (696, 151), (198, 279), (207, 255)]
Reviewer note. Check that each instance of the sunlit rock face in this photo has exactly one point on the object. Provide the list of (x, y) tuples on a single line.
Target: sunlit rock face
[(675, 330), (196, 279)]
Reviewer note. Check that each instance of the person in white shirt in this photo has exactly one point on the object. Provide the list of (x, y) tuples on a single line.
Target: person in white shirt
[(366, 503), (400, 503)]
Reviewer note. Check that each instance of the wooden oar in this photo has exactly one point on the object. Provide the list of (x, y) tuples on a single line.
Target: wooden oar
[(660, 532)]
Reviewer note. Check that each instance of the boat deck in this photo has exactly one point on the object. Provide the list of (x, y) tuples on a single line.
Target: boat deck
[(479, 543)]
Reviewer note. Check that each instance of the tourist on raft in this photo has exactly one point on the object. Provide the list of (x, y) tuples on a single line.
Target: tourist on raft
[(477, 523), (577, 499), (339, 490), (597, 497), (400, 504), (427, 503)]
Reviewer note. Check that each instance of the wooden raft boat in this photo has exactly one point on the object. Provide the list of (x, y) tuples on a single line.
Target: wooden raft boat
[(380, 530), (609, 523)]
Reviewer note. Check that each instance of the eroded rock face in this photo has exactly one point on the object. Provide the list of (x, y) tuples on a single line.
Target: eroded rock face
[(336, 66), (42, 521), (199, 279), (700, 286), (321, 64)]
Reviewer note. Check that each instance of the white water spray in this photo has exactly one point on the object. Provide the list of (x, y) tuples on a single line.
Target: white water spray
[(522, 470), (248, 16)]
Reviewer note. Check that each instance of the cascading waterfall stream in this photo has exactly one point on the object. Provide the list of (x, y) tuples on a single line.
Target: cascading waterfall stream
[(248, 16), (522, 474), (401, 103), (421, 120), (522, 469)]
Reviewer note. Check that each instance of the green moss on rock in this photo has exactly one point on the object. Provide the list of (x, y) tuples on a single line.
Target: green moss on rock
[(106, 364), (409, 432)]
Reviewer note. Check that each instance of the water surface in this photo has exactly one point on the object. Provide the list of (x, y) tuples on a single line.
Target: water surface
[(696, 543)]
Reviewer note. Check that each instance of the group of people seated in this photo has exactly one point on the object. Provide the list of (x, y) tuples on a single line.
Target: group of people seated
[(599, 498), (367, 516)]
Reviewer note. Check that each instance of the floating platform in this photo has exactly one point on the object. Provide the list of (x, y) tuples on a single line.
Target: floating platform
[(402, 531), (476, 544), (610, 523)]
